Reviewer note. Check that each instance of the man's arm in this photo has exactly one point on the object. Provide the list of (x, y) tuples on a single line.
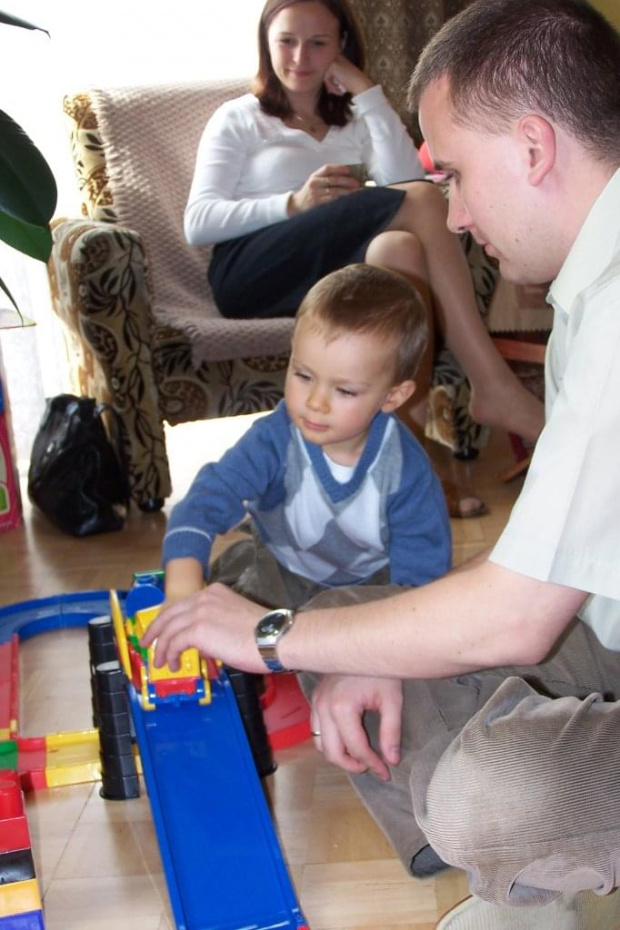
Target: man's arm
[(484, 617)]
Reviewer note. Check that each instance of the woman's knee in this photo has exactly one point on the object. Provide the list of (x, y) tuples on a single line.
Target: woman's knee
[(399, 250), (423, 199)]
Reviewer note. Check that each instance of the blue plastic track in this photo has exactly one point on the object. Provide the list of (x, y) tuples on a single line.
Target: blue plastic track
[(29, 618), (221, 856), (32, 920)]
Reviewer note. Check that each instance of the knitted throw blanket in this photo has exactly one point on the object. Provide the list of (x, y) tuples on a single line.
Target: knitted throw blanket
[(150, 137)]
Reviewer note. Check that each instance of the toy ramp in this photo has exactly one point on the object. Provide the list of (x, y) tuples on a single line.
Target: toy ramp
[(222, 859)]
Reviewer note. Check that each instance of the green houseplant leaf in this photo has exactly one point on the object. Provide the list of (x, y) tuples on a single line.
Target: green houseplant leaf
[(27, 187), (10, 20)]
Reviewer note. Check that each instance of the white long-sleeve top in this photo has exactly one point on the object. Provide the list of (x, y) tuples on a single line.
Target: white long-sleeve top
[(248, 163)]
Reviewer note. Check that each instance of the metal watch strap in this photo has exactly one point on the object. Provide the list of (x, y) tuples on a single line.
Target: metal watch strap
[(268, 632)]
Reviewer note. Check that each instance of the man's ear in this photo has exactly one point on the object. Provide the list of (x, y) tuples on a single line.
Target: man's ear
[(537, 138), (398, 395)]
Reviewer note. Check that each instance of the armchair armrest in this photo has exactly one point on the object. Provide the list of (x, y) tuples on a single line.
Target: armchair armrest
[(100, 291)]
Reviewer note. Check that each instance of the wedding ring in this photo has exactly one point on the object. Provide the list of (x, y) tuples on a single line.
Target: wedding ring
[(316, 733)]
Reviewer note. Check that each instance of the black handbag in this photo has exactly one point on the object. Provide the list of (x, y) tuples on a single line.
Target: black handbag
[(75, 477)]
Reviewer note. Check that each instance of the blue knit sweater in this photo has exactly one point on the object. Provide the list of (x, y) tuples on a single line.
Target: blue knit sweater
[(391, 510)]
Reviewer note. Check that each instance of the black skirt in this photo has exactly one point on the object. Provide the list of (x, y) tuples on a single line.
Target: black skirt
[(268, 272)]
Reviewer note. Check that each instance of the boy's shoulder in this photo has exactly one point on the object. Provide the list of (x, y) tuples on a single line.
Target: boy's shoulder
[(410, 443), (277, 423)]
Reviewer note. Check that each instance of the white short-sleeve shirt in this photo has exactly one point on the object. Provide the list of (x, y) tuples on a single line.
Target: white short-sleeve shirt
[(565, 526)]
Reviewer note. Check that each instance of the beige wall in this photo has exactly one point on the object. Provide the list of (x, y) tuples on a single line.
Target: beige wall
[(611, 9)]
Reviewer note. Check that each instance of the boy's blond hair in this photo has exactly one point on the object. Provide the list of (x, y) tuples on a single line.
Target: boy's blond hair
[(368, 299)]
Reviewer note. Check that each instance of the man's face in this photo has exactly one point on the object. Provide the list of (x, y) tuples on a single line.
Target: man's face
[(489, 193)]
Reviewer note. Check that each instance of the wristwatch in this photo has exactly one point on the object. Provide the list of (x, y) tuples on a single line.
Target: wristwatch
[(268, 631)]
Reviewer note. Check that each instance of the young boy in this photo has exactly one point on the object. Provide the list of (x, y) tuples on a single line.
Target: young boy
[(338, 490)]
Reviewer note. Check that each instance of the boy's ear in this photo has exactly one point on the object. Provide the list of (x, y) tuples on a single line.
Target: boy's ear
[(398, 395)]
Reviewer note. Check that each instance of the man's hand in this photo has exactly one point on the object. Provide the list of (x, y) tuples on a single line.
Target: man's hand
[(216, 621), (338, 705)]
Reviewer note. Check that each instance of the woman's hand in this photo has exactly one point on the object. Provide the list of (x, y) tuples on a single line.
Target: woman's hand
[(324, 185), (216, 621), (344, 77), (338, 705)]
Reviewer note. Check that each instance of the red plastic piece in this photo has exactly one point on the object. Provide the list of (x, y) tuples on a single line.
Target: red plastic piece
[(32, 762), (285, 711), (170, 686), (33, 780), (9, 679), (136, 666), (213, 669), (14, 832)]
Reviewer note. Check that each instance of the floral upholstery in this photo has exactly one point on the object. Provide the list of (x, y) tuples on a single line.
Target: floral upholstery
[(121, 351), (101, 291)]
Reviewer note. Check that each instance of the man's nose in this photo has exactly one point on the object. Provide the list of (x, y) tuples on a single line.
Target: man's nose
[(458, 217)]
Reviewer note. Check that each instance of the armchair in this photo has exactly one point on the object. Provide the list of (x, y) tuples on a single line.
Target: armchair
[(141, 329)]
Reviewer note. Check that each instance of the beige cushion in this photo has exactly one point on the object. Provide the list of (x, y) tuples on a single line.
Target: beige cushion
[(150, 137)]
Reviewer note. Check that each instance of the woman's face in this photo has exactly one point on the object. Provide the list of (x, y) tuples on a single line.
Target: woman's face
[(304, 40)]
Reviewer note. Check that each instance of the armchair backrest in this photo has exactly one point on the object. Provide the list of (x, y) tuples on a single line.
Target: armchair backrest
[(134, 150)]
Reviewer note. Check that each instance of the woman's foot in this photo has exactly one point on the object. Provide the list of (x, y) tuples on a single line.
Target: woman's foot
[(510, 405), (462, 504)]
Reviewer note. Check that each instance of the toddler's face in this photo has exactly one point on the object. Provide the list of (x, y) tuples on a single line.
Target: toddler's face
[(335, 385)]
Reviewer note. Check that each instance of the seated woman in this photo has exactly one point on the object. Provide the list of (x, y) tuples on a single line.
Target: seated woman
[(276, 190)]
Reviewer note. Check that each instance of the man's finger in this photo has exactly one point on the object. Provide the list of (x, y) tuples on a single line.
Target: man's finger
[(390, 731)]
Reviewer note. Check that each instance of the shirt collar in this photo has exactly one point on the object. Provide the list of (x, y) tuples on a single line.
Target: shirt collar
[(593, 248)]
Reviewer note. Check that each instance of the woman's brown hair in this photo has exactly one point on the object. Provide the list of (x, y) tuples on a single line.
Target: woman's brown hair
[(333, 110)]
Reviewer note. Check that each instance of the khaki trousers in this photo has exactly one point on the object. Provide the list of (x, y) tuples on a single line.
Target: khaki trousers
[(511, 774)]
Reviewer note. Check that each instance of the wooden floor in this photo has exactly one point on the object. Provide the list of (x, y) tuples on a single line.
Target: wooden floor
[(97, 862)]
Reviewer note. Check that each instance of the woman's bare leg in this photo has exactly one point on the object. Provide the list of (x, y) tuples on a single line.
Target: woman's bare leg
[(498, 397), (403, 252)]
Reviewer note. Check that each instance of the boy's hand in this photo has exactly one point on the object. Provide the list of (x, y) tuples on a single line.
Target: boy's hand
[(216, 621)]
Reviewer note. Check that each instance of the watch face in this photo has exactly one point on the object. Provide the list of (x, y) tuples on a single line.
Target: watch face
[(269, 627), (271, 624)]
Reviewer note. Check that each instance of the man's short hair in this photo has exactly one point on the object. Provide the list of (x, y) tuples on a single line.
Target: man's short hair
[(503, 58), (368, 299)]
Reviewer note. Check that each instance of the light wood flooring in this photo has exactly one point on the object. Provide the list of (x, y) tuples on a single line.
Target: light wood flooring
[(97, 861)]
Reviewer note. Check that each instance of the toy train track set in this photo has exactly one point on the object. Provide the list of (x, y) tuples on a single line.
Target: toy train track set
[(183, 732)]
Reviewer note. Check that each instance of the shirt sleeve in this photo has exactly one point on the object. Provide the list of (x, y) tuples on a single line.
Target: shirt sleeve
[(420, 544), (213, 214), (389, 152), (217, 499), (565, 526)]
